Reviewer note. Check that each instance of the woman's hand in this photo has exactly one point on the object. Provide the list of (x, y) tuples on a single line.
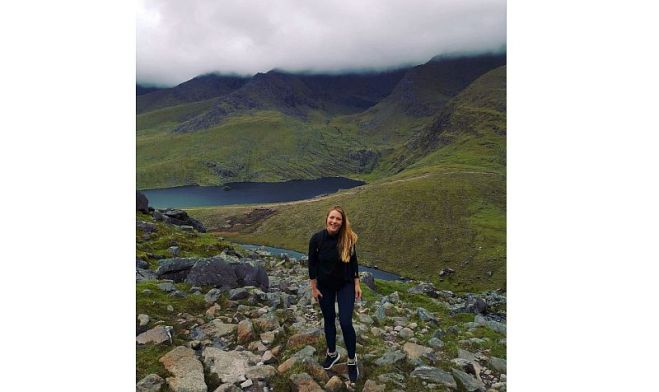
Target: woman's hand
[(315, 293), (358, 292)]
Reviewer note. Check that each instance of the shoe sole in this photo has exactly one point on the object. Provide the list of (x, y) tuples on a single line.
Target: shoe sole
[(333, 362)]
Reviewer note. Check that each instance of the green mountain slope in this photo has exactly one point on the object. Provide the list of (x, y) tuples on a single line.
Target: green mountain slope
[(445, 208)]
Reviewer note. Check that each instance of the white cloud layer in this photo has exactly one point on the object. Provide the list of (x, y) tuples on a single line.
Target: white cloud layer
[(177, 40)]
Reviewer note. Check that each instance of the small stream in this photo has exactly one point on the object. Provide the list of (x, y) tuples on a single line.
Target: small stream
[(377, 273)]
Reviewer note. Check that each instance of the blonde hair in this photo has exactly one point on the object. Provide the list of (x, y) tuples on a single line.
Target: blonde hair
[(347, 237)]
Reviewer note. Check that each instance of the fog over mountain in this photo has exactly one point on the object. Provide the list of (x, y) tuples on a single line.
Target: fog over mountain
[(177, 41)]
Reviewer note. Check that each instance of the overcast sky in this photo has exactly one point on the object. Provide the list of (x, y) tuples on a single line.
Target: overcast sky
[(177, 40)]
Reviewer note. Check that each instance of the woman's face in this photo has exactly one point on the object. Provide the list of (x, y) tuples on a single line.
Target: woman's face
[(334, 222)]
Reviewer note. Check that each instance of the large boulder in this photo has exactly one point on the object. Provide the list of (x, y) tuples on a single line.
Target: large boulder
[(178, 218), (434, 375), (157, 335), (142, 202), (368, 279), (176, 269), (150, 383), (229, 366), (212, 272), (187, 370), (249, 275)]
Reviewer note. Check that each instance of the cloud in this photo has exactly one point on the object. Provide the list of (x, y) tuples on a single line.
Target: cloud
[(177, 40)]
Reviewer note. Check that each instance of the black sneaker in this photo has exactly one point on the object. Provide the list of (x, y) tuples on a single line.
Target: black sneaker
[(330, 361), (353, 369)]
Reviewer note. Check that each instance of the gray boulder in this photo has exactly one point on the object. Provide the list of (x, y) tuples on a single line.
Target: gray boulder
[(239, 293), (425, 315), (212, 272), (434, 375), (187, 370), (150, 383), (139, 263), (249, 275), (145, 274), (176, 269), (498, 364), (390, 357), (368, 279), (142, 202), (229, 366), (178, 218), (424, 288), (468, 382)]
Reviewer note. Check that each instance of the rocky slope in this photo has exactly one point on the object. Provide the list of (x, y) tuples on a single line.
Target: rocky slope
[(213, 317)]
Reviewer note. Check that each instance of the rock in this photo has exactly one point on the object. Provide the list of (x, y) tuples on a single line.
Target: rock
[(246, 384), (435, 375), (335, 384), (217, 328), (368, 279), (263, 372), (158, 334), (268, 357), (303, 382), (139, 263), (468, 382), (425, 315), (212, 296), (498, 364), (245, 331), (306, 352), (249, 275), (372, 386), (174, 250), (310, 336), (228, 388), (406, 333), (415, 351), (187, 370), (366, 319), (435, 343), (390, 357), (167, 287), (424, 288), (239, 293), (268, 337), (267, 322), (145, 274), (446, 272), (491, 324), (178, 218), (392, 378), (212, 272), (313, 368), (186, 228), (143, 319), (142, 203), (150, 383), (229, 366), (176, 269)]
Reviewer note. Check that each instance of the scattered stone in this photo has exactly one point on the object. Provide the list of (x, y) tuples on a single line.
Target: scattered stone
[(167, 287), (139, 263), (144, 275), (435, 343), (150, 383), (310, 336), (335, 384), (435, 375), (217, 328), (406, 333), (268, 357), (212, 296), (468, 382), (446, 272), (424, 288), (228, 388), (303, 382), (143, 319), (245, 331), (498, 364), (425, 315), (390, 357), (158, 334), (239, 293), (174, 250), (315, 370), (170, 308), (262, 372), (372, 386), (229, 366), (188, 372), (415, 351)]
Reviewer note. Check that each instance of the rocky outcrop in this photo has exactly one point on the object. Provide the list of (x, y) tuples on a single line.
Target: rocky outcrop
[(142, 202), (178, 217), (188, 372), (214, 272)]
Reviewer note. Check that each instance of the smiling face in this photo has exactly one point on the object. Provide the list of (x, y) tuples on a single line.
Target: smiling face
[(334, 222)]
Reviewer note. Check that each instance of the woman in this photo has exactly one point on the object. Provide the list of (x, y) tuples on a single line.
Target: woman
[(333, 273)]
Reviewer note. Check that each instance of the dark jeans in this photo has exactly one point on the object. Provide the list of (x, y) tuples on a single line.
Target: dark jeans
[(346, 299)]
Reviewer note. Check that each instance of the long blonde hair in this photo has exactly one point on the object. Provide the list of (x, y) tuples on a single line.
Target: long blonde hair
[(347, 237)]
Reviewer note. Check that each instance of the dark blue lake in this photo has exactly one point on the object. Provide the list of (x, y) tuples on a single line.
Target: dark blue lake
[(377, 273), (246, 192)]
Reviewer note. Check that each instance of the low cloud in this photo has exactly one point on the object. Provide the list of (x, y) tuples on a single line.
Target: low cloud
[(177, 40)]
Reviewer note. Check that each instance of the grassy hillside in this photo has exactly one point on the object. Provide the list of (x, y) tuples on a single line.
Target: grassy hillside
[(413, 224), (445, 208)]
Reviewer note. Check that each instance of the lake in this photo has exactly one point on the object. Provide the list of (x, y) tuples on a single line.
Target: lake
[(377, 274), (246, 192)]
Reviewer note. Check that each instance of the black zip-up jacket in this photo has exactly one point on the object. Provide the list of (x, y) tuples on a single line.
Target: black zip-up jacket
[(325, 264)]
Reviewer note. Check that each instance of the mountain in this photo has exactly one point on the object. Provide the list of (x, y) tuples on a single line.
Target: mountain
[(197, 89), (297, 95), (141, 90)]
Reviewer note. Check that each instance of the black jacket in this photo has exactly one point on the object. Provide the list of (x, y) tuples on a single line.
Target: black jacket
[(325, 263)]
